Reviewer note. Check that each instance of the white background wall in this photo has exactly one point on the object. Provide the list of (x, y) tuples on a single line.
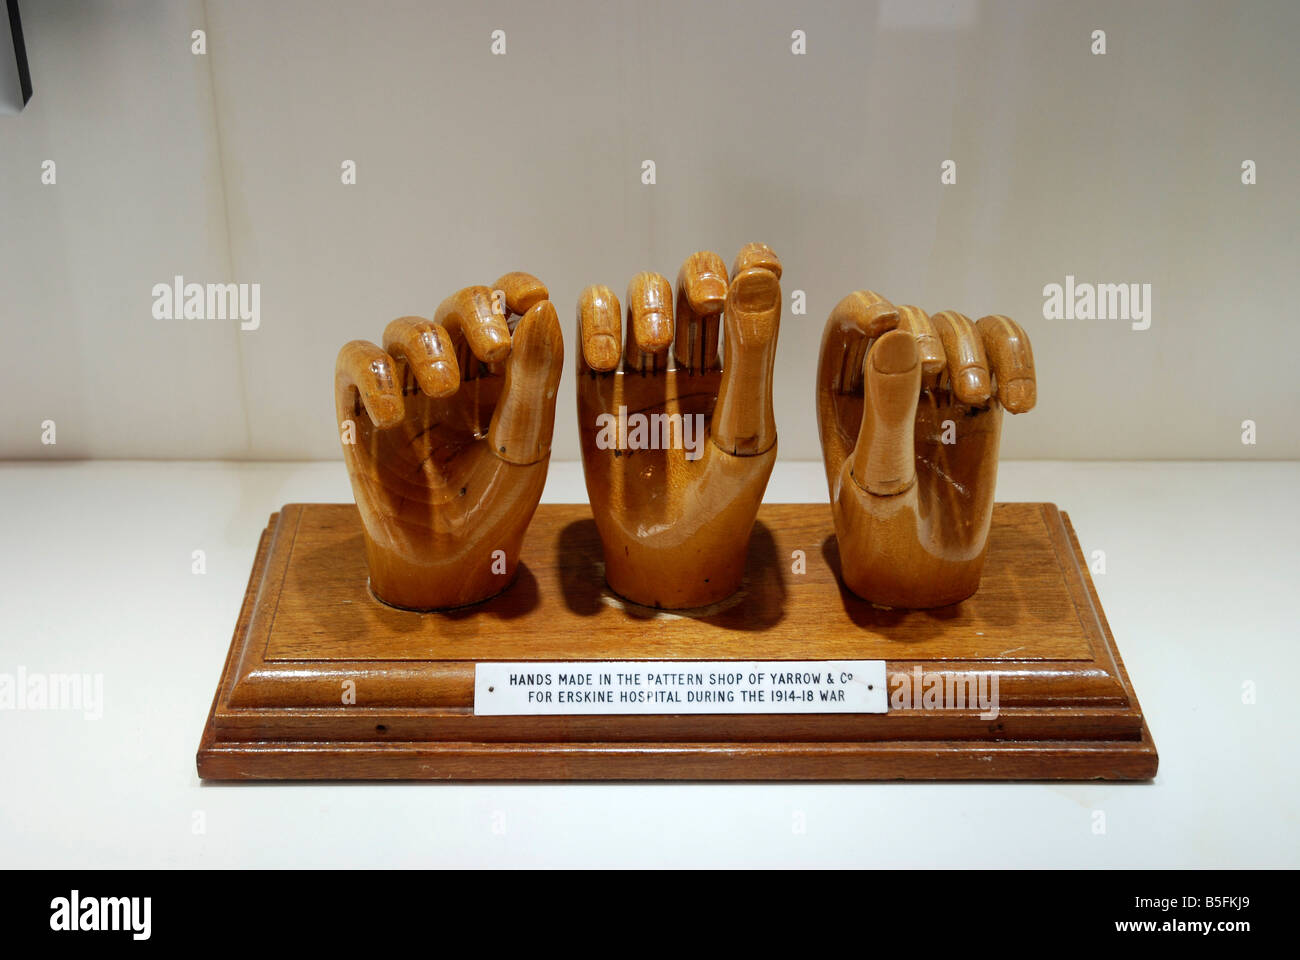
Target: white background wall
[(226, 168)]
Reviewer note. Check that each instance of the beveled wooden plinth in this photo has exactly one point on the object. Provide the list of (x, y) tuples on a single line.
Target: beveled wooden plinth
[(310, 632)]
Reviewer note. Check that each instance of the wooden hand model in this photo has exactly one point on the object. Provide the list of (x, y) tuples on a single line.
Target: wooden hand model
[(452, 422), (910, 413), (677, 455)]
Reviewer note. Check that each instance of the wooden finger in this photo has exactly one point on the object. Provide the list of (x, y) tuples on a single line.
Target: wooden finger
[(1012, 361), (884, 458), (524, 419), (743, 421), (968, 364), (756, 255), (599, 333), (928, 346), (476, 328), (649, 322), (522, 291), (701, 295), (426, 351), (366, 376), (854, 322)]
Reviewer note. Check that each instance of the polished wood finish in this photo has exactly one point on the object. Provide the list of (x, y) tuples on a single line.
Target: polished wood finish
[(309, 633), (446, 434), (675, 517), (910, 412)]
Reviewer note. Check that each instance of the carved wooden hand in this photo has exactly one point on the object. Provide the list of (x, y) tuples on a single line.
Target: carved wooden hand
[(677, 455), (452, 422), (910, 413)]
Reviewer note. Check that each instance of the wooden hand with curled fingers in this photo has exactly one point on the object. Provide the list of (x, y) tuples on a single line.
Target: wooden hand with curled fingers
[(910, 413), (677, 455), (452, 422)]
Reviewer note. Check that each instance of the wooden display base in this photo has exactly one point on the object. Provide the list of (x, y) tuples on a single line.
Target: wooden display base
[(310, 630)]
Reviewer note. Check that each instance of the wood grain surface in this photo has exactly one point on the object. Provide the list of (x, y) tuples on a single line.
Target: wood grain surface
[(560, 609), (1067, 708)]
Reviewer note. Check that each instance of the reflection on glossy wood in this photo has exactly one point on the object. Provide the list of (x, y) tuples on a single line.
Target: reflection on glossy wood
[(677, 454), (559, 608), (910, 412), (446, 433)]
